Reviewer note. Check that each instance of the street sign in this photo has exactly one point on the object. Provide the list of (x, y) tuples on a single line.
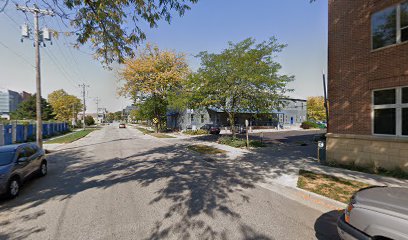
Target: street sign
[(155, 120)]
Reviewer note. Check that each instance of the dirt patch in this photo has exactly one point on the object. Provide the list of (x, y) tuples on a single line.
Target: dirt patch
[(336, 188)]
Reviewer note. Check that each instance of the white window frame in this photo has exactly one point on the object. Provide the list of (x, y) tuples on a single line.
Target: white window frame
[(398, 106), (398, 27)]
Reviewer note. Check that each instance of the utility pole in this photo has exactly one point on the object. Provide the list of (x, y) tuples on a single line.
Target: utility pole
[(73, 115), (97, 100), (37, 12), (84, 86)]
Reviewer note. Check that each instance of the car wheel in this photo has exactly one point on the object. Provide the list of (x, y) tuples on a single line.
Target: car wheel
[(43, 169), (13, 188)]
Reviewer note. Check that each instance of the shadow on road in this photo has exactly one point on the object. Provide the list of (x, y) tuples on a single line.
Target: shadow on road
[(193, 186), (326, 226)]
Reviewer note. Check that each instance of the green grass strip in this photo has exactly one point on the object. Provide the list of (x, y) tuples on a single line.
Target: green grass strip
[(71, 137), (152, 133)]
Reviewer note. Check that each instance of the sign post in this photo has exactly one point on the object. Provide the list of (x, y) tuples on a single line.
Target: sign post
[(247, 134)]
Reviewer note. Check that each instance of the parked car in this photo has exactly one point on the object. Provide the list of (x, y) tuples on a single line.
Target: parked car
[(212, 129), (376, 213), (18, 163), (122, 125)]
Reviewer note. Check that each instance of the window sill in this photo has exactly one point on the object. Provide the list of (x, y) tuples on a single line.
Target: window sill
[(389, 46)]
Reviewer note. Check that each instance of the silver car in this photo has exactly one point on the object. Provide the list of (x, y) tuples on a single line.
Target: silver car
[(376, 213), (17, 164)]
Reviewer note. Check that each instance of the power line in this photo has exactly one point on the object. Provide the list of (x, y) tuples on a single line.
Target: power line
[(75, 62), (12, 19), (84, 86), (60, 68), (17, 54), (4, 6)]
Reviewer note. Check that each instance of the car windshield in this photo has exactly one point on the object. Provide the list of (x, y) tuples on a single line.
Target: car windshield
[(6, 158)]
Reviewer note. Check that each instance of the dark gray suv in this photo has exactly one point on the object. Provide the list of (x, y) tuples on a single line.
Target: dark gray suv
[(18, 163)]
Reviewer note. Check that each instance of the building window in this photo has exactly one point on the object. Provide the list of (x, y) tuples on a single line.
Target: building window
[(390, 26), (192, 118), (202, 118), (390, 111)]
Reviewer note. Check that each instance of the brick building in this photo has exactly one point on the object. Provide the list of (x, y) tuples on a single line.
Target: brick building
[(368, 83)]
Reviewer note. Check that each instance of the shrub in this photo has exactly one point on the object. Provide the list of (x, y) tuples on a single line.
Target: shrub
[(195, 132), (309, 125), (89, 121)]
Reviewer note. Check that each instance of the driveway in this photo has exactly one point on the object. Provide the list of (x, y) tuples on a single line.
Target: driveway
[(121, 184)]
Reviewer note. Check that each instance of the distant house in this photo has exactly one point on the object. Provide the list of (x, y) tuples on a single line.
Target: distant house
[(368, 83), (9, 101), (101, 116), (291, 115), (126, 112)]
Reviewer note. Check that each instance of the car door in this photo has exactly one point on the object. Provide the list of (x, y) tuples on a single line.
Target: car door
[(39, 156), (34, 156), (23, 162)]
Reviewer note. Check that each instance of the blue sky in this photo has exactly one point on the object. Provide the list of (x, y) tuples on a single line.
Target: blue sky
[(207, 27)]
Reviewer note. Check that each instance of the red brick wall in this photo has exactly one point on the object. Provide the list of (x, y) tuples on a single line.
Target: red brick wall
[(354, 69)]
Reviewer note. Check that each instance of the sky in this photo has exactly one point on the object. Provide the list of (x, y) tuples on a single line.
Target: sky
[(208, 26)]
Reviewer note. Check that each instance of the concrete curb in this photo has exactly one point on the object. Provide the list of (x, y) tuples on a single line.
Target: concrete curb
[(304, 197)]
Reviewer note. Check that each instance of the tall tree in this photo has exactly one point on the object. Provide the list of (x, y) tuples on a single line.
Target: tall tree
[(154, 74), (243, 77), (113, 28), (315, 108), (65, 106), (27, 110)]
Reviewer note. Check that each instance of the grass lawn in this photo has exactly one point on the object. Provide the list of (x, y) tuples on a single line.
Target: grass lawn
[(152, 133), (204, 149), (339, 189), (239, 142), (68, 138)]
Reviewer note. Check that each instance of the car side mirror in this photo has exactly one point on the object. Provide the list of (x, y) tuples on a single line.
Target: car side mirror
[(22, 160)]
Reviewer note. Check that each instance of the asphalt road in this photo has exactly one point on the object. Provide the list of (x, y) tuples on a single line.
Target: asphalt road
[(121, 184)]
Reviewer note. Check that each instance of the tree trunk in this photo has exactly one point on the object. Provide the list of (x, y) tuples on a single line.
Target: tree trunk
[(232, 123)]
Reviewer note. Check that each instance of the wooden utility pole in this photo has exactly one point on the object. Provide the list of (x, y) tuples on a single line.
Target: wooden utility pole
[(97, 100), (84, 86), (37, 12)]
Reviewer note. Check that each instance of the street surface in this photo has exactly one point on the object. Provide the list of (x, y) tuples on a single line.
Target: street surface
[(121, 184)]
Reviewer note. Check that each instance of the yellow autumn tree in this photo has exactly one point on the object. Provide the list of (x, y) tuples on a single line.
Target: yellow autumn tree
[(152, 75), (65, 106), (315, 108)]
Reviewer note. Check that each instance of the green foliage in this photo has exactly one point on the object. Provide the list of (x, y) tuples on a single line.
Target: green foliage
[(65, 106), (89, 120), (196, 132), (113, 28), (315, 108), (27, 110), (239, 142), (309, 125), (136, 115), (154, 107), (243, 77)]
